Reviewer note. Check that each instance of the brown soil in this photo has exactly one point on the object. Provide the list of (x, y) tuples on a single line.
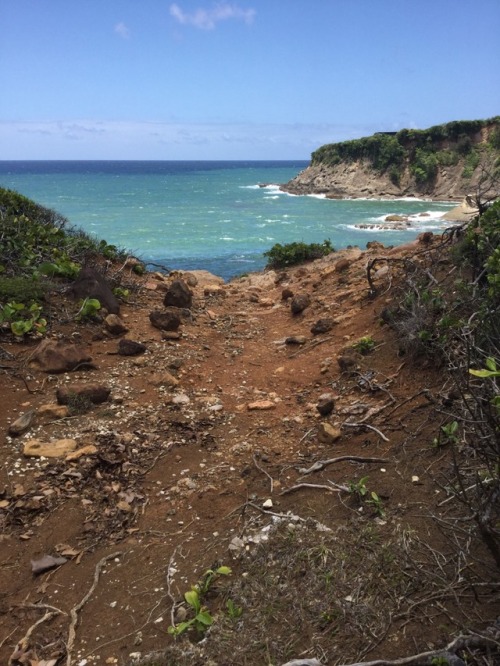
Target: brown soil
[(179, 472)]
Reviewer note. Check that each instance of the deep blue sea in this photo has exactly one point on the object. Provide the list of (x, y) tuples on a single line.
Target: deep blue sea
[(210, 215)]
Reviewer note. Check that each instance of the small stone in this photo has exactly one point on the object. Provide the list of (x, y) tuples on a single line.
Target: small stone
[(22, 423), (261, 405), (323, 326), (342, 265), (286, 294), (166, 320), (300, 303), (165, 379), (415, 479), (181, 399), (115, 325), (34, 448), (96, 393), (52, 412), (178, 295), (347, 362), (296, 340), (170, 335), (128, 347), (88, 450), (328, 434), (325, 404)]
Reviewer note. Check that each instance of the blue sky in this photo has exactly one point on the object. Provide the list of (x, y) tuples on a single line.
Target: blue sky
[(249, 79)]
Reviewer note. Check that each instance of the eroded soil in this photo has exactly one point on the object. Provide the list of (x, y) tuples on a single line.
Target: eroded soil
[(180, 471)]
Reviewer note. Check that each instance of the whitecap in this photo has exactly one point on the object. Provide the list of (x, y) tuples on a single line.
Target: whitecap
[(272, 197), (227, 238)]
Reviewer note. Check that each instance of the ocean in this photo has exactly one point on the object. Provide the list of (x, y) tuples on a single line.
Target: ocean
[(217, 216)]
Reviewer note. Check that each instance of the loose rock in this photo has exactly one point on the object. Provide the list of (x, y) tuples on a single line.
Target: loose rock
[(115, 325), (22, 423), (95, 393), (56, 356), (300, 303), (328, 434), (179, 295), (34, 448), (128, 347)]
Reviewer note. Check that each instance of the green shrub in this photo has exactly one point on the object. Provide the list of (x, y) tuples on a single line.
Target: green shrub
[(21, 288), (36, 240), (291, 254)]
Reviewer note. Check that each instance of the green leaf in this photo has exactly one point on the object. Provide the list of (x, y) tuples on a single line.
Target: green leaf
[(485, 373), (224, 571), (204, 618), (19, 328), (491, 364), (193, 599)]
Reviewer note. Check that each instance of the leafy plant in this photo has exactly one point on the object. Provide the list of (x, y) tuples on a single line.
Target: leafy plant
[(121, 293), (291, 254), (202, 618), (23, 319), (364, 345), (447, 435), (491, 369), (233, 611), (360, 490), (89, 308)]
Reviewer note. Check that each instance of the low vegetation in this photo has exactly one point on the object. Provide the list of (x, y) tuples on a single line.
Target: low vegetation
[(291, 254), (39, 252), (423, 152)]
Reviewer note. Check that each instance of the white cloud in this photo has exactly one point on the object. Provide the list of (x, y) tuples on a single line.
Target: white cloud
[(122, 30), (207, 19)]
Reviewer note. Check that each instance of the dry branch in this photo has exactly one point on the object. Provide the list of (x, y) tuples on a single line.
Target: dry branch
[(321, 464), (428, 658), (365, 425), (309, 485), (75, 610)]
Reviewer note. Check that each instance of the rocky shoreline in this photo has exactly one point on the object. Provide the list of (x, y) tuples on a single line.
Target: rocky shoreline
[(359, 180)]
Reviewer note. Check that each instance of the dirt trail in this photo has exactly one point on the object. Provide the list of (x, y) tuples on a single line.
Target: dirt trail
[(180, 471)]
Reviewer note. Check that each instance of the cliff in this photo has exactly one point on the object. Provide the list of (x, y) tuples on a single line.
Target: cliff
[(443, 162)]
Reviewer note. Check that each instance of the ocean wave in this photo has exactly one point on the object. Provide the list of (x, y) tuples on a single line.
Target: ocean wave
[(275, 196)]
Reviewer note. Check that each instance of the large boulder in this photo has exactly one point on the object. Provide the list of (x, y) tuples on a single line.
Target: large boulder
[(92, 284)]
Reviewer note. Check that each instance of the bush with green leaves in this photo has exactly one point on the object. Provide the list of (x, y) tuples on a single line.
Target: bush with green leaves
[(291, 254), (37, 241), (22, 319)]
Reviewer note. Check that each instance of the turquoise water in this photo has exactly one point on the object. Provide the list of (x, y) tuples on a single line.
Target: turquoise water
[(211, 215)]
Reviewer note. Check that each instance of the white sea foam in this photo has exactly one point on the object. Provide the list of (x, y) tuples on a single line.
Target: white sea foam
[(275, 196)]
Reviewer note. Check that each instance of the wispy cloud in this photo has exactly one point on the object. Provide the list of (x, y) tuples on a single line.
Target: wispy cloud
[(122, 30), (102, 139), (207, 19)]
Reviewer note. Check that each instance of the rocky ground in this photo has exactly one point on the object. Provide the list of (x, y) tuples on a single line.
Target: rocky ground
[(256, 437)]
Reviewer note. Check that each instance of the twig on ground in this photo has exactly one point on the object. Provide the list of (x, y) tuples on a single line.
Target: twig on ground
[(313, 344), (365, 425), (74, 611), (261, 469), (428, 658), (22, 645), (425, 392), (309, 485), (290, 516), (321, 464), (170, 568)]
